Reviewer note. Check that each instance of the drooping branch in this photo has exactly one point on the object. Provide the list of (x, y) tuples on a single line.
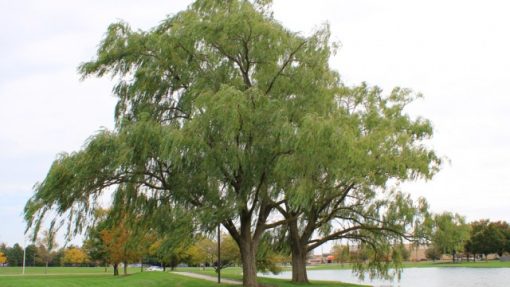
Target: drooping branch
[(284, 65)]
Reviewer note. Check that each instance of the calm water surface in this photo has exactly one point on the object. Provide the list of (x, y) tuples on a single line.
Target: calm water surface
[(421, 277)]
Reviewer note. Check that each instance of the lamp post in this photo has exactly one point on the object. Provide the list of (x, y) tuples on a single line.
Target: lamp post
[(219, 255), (24, 254)]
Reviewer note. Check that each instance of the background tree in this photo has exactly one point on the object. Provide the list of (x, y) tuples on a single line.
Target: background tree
[(30, 255), (229, 251), (3, 258), (121, 247), (202, 252), (14, 255), (169, 253), (46, 246), (450, 233), (96, 249), (58, 258), (93, 243), (487, 237), (340, 253), (433, 253), (503, 228), (75, 256)]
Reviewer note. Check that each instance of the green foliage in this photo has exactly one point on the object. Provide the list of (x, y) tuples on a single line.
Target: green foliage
[(14, 255), (488, 237), (450, 233), (341, 253), (433, 253), (46, 246), (223, 116)]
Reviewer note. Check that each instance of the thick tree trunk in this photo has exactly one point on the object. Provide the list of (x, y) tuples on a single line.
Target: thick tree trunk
[(299, 264), (248, 257), (46, 269), (125, 267), (299, 252), (115, 269)]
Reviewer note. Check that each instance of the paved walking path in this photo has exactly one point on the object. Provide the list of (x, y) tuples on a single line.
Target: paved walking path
[(208, 278)]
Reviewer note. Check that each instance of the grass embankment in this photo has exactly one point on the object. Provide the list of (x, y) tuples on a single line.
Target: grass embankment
[(84, 276), (145, 279), (96, 276), (424, 264), (62, 270), (477, 264), (236, 274)]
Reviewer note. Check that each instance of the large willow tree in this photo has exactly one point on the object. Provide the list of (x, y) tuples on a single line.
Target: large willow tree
[(224, 113), (341, 181)]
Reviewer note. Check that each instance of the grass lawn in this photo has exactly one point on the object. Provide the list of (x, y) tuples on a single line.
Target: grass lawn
[(236, 273), (145, 279), (424, 264), (62, 270), (477, 264), (95, 276)]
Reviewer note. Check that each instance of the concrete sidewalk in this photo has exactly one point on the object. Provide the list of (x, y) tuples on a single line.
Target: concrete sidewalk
[(209, 278)]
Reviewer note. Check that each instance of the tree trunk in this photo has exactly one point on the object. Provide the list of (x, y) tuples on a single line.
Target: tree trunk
[(125, 267), (46, 269), (115, 269), (299, 252), (248, 257), (299, 274)]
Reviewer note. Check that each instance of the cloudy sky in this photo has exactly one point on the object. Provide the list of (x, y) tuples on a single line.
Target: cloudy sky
[(454, 52)]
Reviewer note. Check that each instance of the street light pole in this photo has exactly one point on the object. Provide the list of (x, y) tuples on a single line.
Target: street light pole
[(24, 254), (219, 256)]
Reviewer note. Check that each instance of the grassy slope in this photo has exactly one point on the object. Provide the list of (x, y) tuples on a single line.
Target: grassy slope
[(85, 276), (235, 273), (59, 278), (425, 264), (62, 270), (146, 279)]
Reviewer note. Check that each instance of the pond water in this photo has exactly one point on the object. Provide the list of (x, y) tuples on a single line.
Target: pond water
[(420, 277)]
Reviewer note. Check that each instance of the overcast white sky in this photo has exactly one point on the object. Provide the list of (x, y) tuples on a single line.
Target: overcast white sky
[(454, 52)]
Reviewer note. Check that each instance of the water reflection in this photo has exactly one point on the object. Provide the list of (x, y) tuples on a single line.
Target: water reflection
[(421, 277)]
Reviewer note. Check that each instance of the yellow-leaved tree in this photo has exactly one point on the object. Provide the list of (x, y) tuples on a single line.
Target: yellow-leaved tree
[(3, 258), (75, 256)]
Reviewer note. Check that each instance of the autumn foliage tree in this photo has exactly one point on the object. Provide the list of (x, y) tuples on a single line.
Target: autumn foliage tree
[(122, 246), (3, 258), (75, 256)]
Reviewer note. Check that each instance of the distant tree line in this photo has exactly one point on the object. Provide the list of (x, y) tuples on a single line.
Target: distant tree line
[(36, 255), (450, 234)]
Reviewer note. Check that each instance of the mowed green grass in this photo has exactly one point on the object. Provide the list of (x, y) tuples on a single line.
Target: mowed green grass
[(62, 270), (96, 276), (236, 273), (424, 264), (145, 279)]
